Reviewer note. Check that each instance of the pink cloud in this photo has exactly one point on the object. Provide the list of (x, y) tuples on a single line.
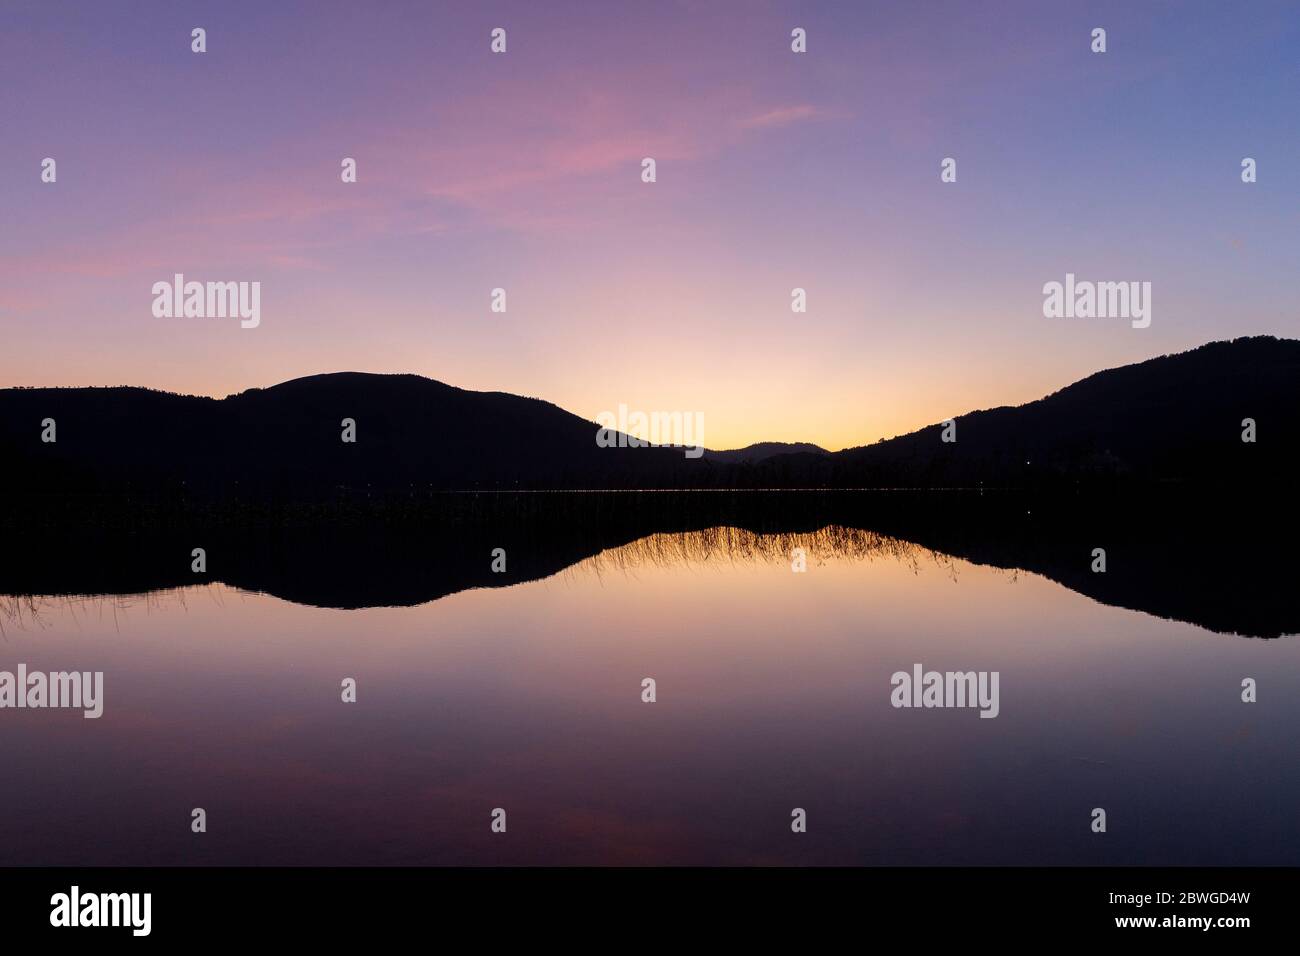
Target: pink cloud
[(518, 160), (782, 116)]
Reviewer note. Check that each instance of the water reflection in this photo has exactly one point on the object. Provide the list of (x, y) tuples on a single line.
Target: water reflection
[(1220, 570), (773, 693)]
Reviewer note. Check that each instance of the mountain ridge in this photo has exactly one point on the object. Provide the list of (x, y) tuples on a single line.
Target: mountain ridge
[(1176, 417)]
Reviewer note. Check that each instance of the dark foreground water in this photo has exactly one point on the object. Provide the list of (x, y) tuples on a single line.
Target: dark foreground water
[(773, 693)]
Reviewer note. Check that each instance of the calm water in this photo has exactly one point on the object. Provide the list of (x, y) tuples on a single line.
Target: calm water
[(773, 693)]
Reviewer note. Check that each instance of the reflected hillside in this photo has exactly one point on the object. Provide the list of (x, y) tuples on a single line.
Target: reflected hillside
[(1176, 558)]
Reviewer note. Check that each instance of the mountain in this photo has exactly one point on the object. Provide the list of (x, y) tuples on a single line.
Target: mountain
[(1177, 418), (759, 451), (286, 441)]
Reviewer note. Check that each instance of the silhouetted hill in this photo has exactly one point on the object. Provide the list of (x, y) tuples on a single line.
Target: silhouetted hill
[(759, 451), (1177, 418), (411, 433)]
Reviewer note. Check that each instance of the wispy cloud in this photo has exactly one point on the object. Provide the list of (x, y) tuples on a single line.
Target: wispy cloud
[(782, 116)]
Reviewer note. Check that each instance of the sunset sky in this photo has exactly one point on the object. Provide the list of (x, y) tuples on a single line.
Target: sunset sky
[(522, 171)]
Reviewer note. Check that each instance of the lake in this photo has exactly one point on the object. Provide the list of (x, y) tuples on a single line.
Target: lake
[(772, 692)]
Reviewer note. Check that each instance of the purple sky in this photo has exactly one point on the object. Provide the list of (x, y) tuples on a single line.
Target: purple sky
[(522, 171)]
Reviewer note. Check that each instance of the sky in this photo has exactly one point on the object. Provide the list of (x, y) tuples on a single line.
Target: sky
[(522, 171)]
